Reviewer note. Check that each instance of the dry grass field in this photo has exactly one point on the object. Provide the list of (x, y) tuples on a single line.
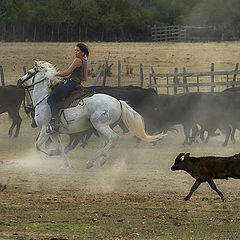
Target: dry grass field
[(163, 57), (134, 195)]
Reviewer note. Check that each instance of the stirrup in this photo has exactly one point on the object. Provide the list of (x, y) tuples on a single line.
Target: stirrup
[(53, 126)]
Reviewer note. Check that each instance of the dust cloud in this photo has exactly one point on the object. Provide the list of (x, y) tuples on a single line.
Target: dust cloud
[(129, 168)]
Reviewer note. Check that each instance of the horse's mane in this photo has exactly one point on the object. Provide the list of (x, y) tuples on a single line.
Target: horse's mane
[(50, 70), (47, 65)]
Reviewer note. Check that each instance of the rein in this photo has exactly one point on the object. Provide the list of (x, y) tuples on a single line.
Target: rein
[(32, 85), (40, 102)]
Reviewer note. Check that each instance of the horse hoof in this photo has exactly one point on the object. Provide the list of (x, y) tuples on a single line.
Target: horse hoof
[(89, 165)]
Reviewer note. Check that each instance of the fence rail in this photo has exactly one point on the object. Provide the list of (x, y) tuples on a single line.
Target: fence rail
[(168, 33), (181, 80)]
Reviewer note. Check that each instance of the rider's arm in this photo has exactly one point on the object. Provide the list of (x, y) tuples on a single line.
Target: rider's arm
[(76, 63)]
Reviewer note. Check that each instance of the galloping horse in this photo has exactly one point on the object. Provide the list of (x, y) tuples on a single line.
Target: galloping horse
[(98, 111)]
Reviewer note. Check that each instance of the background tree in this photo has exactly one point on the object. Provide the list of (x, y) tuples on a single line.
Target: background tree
[(111, 20)]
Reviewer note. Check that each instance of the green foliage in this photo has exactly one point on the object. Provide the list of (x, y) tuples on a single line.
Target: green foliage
[(110, 20)]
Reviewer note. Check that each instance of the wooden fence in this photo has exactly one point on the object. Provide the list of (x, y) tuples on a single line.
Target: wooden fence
[(168, 33), (183, 82), (178, 33), (101, 73)]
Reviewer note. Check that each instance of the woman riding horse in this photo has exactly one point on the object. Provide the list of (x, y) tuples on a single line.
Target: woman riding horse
[(76, 73)]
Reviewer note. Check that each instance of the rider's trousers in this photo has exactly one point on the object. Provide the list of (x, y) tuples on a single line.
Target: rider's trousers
[(61, 92)]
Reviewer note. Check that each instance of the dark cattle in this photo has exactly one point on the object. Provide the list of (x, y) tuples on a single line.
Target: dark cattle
[(11, 98), (223, 113), (209, 110), (233, 89), (205, 169), (140, 99), (176, 109)]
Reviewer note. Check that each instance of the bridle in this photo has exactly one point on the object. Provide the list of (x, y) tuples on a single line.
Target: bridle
[(21, 83), (30, 76)]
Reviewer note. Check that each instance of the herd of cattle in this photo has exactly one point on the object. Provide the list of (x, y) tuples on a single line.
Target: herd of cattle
[(197, 112)]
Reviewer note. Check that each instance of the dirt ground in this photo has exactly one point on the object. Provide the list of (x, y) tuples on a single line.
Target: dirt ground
[(134, 195)]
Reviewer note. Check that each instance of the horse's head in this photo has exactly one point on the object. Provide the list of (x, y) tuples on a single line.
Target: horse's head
[(23, 81), (43, 71)]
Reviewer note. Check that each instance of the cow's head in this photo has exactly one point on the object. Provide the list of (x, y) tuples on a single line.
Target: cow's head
[(180, 161)]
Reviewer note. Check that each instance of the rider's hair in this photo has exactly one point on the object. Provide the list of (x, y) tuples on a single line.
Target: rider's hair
[(83, 48)]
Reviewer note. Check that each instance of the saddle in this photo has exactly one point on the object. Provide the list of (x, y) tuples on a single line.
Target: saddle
[(75, 97)]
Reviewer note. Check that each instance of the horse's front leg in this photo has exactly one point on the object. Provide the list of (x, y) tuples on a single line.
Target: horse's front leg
[(59, 148), (42, 138)]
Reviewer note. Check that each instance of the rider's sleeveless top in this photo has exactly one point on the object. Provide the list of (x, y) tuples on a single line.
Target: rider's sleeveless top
[(79, 73)]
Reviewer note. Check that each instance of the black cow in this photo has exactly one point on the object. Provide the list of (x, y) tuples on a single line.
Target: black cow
[(233, 89), (11, 98), (205, 169), (211, 132), (222, 110), (209, 110), (176, 109)]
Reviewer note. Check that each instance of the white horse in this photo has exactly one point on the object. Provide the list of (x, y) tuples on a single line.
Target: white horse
[(98, 111)]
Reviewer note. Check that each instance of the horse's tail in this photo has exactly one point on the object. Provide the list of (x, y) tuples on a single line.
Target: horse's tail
[(135, 123)]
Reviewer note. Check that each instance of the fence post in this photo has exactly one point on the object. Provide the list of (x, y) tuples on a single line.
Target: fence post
[(175, 80), (212, 76), (141, 75), (150, 80), (105, 72), (197, 83), (2, 76), (227, 81), (155, 80), (235, 75), (185, 88), (98, 76), (167, 84), (119, 73)]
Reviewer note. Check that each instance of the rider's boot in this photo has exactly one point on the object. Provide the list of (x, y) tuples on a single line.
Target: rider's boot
[(53, 126)]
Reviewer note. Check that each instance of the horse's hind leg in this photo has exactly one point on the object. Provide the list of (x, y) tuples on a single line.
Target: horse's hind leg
[(111, 138)]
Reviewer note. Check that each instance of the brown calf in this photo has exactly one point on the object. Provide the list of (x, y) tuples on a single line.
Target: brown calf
[(205, 169)]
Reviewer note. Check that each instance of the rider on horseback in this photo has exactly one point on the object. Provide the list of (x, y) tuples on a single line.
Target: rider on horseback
[(76, 73)]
